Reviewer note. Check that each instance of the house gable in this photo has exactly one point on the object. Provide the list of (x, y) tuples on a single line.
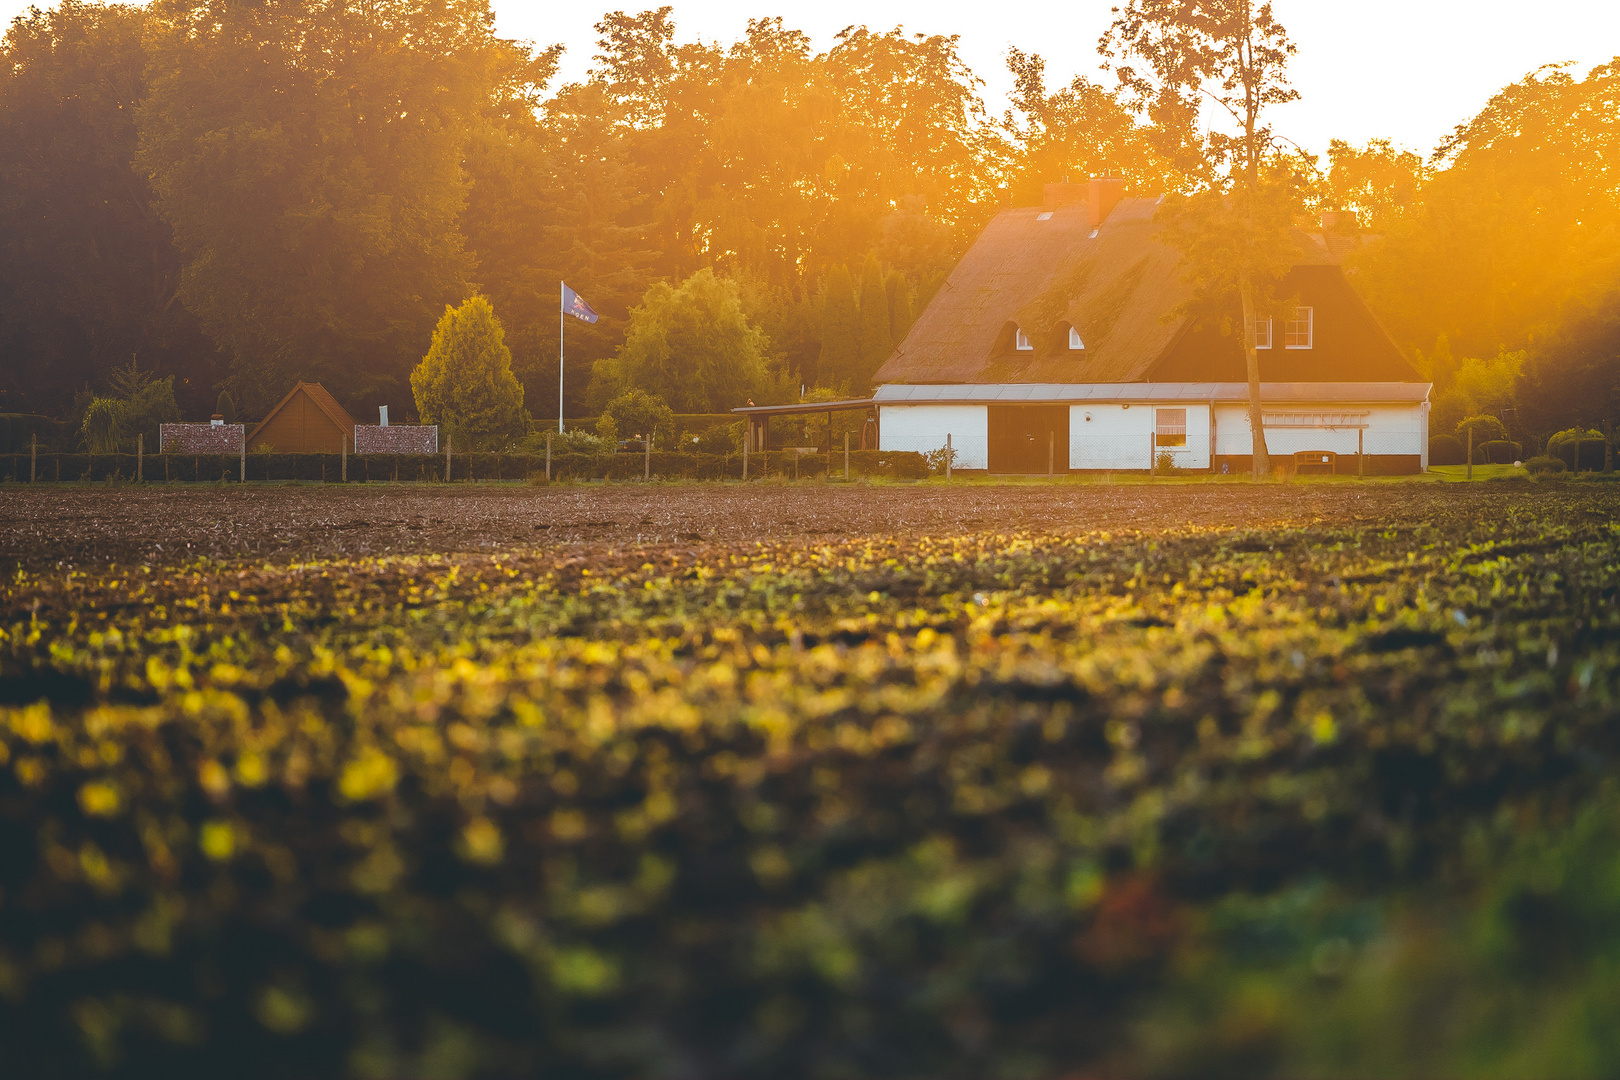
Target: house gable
[(1348, 343), (307, 420)]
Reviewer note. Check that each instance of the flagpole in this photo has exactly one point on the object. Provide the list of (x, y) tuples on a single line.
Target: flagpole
[(560, 288)]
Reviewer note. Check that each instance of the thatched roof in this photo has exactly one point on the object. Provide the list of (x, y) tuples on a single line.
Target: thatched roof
[(1043, 269)]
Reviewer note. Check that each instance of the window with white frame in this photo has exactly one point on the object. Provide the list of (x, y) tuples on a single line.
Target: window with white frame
[(1260, 333), (1075, 344), (1299, 332), (1170, 427), (1021, 341)]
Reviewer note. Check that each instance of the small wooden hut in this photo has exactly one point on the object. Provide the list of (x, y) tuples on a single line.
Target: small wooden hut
[(307, 421)]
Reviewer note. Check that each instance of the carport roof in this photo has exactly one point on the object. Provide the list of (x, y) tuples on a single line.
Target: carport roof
[(1340, 393)]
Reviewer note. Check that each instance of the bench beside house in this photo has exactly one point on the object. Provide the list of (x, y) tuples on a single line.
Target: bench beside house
[(1062, 341)]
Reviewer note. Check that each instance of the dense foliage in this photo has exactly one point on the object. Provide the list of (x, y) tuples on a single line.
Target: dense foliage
[(948, 807), (465, 382)]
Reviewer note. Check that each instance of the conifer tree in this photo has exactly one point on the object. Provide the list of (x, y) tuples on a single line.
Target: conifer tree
[(900, 316), (840, 344), (465, 383), (875, 342)]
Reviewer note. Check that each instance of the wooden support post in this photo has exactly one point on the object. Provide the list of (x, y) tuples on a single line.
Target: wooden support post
[(1471, 452), (646, 458), (244, 459), (1051, 450), (1608, 446), (33, 458), (1153, 461), (748, 437), (948, 454), (846, 457), (1361, 451), (345, 459), (548, 457), (447, 457), (140, 457)]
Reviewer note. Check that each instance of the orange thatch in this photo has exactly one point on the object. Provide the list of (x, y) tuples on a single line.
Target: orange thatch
[(1045, 269), (307, 421)]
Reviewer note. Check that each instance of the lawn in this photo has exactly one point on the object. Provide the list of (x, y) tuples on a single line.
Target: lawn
[(810, 782)]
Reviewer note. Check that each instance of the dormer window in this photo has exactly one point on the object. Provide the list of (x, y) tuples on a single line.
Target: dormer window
[(1260, 333), (1021, 340), (1299, 332), (1075, 344)]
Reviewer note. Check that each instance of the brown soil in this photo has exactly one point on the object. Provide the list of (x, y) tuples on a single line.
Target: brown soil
[(96, 525)]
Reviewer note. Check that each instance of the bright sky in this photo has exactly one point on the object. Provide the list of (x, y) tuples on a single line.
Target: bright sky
[(1408, 69)]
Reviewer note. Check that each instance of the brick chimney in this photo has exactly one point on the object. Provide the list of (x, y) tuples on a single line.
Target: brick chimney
[(1102, 195)]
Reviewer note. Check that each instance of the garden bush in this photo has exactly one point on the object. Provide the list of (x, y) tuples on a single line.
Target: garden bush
[(1544, 465), (1447, 450), (1584, 454), (1497, 452)]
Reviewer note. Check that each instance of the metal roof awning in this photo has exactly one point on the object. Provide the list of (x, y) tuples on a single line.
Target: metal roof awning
[(1271, 393), (805, 407)]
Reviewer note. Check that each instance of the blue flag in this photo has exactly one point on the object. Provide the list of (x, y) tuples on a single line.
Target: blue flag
[(575, 305)]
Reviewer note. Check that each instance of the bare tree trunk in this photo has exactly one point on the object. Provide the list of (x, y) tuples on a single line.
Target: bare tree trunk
[(1251, 359)]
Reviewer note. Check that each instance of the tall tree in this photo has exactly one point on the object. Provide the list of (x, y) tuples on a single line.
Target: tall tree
[(1078, 131), (465, 382), (1234, 232), (88, 272), (692, 346), (308, 156), (1515, 227), (875, 340), (840, 330)]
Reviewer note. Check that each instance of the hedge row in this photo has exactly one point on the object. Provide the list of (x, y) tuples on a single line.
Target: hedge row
[(431, 467)]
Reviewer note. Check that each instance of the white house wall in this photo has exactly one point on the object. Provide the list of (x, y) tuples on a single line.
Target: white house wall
[(1390, 430), (923, 428), (1121, 436), (1116, 435)]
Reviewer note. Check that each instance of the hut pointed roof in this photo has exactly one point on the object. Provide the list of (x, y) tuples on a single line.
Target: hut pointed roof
[(320, 397)]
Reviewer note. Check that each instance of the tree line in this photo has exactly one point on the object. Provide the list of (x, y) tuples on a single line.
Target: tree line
[(226, 196)]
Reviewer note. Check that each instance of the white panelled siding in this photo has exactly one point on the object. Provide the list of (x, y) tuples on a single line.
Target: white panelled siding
[(923, 428)]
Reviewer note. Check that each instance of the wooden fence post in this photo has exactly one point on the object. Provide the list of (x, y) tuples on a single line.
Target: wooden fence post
[(1361, 451), (140, 457), (345, 452), (1153, 461), (447, 457), (548, 457), (846, 457), (1471, 452), (949, 452), (1051, 449), (244, 460), (646, 458), (748, 437), (33, 458)]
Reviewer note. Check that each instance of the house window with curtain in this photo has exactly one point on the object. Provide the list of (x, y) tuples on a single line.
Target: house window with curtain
[(1170, 427)]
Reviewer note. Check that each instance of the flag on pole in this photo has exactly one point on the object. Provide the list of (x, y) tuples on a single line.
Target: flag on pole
[(575, 305)]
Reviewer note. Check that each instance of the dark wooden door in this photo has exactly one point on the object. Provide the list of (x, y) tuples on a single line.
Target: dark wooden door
[(1020, 436)]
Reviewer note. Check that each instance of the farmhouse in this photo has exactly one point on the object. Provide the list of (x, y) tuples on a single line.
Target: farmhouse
[(307, 421), (1059, 344)]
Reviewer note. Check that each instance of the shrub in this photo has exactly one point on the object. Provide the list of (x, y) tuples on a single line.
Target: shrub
[(637, 413), (722, 438), (1544, 465), (1447, 450), (1497, 452), (1485, 429), (937, 460), (1578, 449)]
